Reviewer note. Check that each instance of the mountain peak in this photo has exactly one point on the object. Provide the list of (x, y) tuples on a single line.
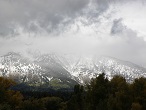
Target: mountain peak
[(65, 68)]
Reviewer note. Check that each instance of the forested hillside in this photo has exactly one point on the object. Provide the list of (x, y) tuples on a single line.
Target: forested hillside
[(99, 94)]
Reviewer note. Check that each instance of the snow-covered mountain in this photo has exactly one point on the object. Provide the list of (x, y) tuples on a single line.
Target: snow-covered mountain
[(85, 68), (53, 70), (44, 70)]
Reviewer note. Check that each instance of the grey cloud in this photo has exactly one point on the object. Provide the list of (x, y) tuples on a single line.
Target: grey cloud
[(34, 15), (129, 45), (117, 26), (45, 13)]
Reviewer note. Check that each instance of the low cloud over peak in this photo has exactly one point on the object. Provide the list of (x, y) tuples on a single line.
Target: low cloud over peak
[(110, 27)]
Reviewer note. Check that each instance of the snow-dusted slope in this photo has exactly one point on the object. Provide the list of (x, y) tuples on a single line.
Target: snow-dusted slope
[(83, 68), (43, 70), (64, 69), (112, 66)]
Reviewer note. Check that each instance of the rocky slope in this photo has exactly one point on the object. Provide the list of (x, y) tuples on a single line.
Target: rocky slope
[(64, 71)]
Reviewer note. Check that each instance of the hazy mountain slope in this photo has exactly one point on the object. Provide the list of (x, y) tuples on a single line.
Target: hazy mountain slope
[(44, 70), (52, 70), (85, 68)]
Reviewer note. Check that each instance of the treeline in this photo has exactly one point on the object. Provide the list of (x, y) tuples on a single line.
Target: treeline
[(116, 94), (30, 100), (99, 94)]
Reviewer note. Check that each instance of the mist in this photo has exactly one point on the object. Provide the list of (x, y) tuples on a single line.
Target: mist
[(96, 27)]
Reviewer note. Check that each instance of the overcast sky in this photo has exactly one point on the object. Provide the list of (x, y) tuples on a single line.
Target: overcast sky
[(114, 28)]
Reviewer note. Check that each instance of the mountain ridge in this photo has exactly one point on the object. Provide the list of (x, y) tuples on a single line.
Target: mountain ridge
[(57, 71)]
